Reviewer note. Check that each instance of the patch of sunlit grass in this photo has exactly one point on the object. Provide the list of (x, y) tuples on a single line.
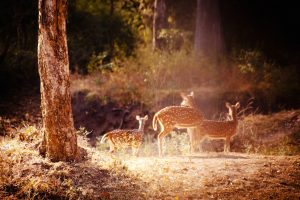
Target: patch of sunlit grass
[(276, 134)]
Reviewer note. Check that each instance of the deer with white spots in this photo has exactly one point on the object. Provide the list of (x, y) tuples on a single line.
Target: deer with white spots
[(213, 129), (175, 117), (121, 138)]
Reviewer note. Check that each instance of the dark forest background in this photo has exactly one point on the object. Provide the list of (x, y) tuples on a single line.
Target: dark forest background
[(103, 35)]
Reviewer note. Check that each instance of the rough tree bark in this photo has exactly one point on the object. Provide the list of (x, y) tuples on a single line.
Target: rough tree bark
[(159, 22), (60, 141), (208, 33)]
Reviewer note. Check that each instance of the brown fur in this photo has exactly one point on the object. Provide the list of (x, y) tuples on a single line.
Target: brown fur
[(213, 129), (175, 117), (120, 138)]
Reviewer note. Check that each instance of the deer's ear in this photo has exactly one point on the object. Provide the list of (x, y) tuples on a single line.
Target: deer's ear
[(227, 105), (137, 117), (237, 105), (192, 93), (146, 117)]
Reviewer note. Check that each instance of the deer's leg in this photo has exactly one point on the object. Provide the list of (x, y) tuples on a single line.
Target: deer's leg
[(111, 150), (191, 132), (165, 131), (199, 140), (135, 151), (111, 147), (196, 138), (227, 144), (192, 148)]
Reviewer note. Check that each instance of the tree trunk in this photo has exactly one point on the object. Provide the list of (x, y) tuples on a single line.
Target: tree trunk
[(159, 22), (112, 7), (60, 141), (208, 34)]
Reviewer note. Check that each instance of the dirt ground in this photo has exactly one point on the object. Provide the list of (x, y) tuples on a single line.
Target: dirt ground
[(26, 175), (216, 176)]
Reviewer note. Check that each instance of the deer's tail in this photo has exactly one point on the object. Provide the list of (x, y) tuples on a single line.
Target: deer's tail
[(154, 122), (104, 138)]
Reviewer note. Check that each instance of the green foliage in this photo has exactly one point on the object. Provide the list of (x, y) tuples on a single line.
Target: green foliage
[(175, 39), (249, 61), (277, 84), (114, 37), (147, 76), (93, 28), (150, 77), (97, 62), (18, 39), (97, 28)]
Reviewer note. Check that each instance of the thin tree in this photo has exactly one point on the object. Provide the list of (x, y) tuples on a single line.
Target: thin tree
[(159, 22), (60, 141), (208, 33)]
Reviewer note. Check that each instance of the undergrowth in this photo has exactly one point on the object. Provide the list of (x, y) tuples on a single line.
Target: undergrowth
[(24, 174), (148, 77), (276, 134)]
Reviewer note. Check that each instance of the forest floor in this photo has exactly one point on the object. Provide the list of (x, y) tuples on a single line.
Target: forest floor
[(26, 175), (215, 176)]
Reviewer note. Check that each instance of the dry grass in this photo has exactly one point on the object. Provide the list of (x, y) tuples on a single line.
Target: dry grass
[(26, 175), (103, 176), (217, 176), (276, 134), (209, 175)]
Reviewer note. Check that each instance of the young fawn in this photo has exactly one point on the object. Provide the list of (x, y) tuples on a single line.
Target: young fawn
[(213, 129), (175, 117), (126, 138)]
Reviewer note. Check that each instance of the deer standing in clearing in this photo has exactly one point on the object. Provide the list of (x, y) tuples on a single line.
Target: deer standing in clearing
[(121, 138), (213, 129), (175, 117)]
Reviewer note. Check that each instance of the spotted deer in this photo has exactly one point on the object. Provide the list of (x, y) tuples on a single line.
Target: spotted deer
[(175, 117), (121, 138), (213, 129), (195, 137)]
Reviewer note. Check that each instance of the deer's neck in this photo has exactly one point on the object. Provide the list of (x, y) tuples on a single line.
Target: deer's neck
[(233, 116), (192, 104), (141, 127)]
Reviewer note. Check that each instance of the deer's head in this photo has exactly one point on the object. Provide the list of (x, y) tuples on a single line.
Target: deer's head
[(232, 110), (188, 100)]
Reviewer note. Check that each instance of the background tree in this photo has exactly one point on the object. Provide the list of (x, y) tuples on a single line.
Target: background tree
[(159, 22), (60, 142), (208, 35)]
